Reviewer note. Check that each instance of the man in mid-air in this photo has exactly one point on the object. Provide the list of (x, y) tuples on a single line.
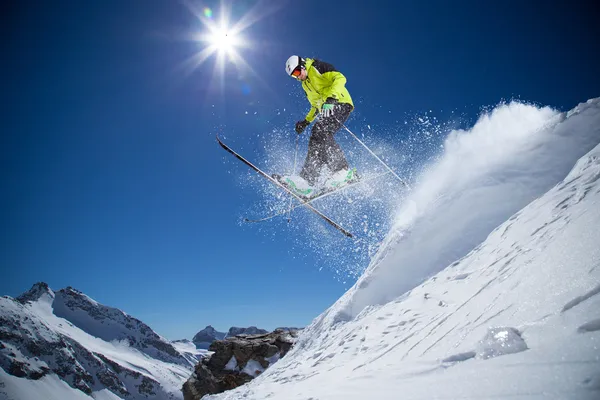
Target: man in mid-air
[(325, 166)]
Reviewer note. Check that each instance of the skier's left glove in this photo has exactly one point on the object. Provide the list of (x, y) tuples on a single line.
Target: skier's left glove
[(301, 126), (328, 107)]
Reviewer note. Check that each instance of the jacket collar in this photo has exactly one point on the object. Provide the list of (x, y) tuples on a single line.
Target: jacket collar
[(308, 63)]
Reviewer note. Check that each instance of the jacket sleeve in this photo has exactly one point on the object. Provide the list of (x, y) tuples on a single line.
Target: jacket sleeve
[(311, 114), (313, 107)]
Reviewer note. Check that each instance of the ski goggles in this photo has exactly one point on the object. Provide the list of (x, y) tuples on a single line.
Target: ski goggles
[(297, 72)]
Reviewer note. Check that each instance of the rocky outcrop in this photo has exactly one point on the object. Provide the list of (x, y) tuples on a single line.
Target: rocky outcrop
[(37, 291), (236, 360)]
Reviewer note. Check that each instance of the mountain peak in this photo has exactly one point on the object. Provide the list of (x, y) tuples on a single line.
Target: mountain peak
[(66, 335), (37, 291), (206, 336), (78, 298)]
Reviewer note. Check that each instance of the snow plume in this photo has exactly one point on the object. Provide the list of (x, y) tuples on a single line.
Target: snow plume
[(464, 183), (367, 210), (512, 155)]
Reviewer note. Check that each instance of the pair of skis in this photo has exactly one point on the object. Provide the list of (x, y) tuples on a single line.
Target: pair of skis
[(303, 202), (319, 196)]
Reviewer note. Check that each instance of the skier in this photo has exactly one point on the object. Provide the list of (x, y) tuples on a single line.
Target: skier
[(327, 94)]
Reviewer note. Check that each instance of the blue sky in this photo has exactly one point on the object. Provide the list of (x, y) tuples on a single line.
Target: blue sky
[(112, 181)]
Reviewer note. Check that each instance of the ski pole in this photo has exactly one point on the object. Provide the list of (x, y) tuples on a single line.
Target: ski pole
[(295, 157), (379, 159)]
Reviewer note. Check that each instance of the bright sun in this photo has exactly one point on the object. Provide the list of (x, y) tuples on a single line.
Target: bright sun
[(219, 38), (223, 41)]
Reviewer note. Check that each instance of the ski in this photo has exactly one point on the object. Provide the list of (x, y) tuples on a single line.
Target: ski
[(275, 182), (319, 196)]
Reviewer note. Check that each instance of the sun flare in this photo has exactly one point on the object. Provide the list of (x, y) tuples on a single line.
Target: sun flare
[(221, 38), (218, 38)]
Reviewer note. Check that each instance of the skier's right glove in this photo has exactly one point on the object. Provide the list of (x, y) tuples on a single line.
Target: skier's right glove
[(301, 126)]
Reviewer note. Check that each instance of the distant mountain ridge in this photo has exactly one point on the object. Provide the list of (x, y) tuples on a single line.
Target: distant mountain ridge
[(206, 336), (78, 344), (251, 330)]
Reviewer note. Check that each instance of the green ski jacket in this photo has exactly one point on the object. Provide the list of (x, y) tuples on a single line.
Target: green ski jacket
[(323, 81)]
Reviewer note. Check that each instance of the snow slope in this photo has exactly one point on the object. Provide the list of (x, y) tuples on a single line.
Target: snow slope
[(487, 286), (64, 345), (189, 349)]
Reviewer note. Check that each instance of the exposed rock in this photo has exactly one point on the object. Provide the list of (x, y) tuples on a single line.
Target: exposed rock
[(208, 335), (37, 290), (237, 360)]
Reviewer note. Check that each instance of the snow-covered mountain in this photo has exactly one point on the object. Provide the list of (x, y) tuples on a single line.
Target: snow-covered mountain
[(64, 345), (488, 286)]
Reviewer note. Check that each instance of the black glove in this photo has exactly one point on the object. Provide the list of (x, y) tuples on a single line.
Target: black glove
[(301, 126)]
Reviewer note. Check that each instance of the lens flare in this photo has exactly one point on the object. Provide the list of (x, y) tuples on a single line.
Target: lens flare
[(224, 39)]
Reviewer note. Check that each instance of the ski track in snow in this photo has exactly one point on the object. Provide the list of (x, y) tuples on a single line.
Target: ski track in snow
[(503, 304)]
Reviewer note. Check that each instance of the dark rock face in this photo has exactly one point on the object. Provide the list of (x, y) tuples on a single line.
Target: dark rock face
[(237, 360), (37, 290), (251, 330), (206, 336)]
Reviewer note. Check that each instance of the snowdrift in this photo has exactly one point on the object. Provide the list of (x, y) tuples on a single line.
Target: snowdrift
[(510, 157), (487, 285)]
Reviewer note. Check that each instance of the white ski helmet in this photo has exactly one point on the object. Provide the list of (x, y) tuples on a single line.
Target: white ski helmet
[(292, 63)]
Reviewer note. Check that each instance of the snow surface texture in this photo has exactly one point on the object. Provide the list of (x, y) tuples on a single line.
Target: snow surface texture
[(488, 285), (96, 350)]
